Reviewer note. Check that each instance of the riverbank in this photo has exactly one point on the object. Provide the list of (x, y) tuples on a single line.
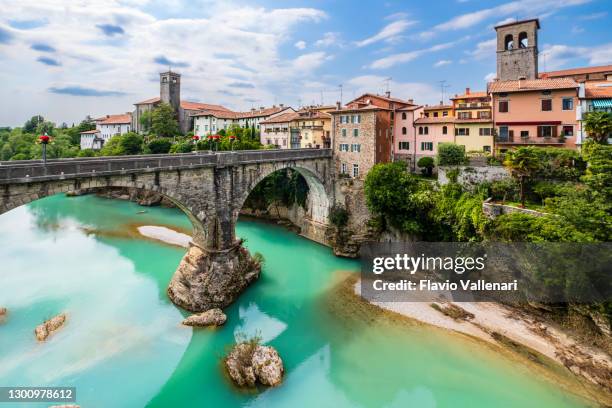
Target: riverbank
[(515, 330)]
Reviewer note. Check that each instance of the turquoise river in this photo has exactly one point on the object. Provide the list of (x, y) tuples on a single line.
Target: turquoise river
[(123, 344)]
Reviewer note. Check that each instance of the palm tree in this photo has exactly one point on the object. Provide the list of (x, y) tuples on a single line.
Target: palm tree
[(522, 163), (598, 126)]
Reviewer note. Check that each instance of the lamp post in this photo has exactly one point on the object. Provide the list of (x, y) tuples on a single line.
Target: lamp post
[(232, 139), (195, 139), (215, 139), (44, 140)]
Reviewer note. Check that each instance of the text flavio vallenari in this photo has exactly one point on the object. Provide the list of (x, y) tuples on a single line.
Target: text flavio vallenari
[(412, 264)]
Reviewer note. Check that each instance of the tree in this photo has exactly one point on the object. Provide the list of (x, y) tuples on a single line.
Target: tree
[(163, 121), (523, 164), (145, 121), (451, 154), (598, 126), (159, 146), (30, 125), (426, 164), (127, 144)]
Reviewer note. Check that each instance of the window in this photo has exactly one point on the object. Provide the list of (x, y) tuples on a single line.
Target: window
[(546, 105), (344, 170), (435, 114), (355, 170), (545, 131), (284, 142), (445, 113), (503, 106), (404, 130), (426, 130), (427, 146), (404, 145), (523, 40), (486, 149), (343, 132), (426, 114), (568, 131), (568, 104), (465, 115), (462, 131), (484, 131), (356, 132), (508, 42), (444, 130), (420, 130), (403, 115), (524, 134), (356, 147), (484, 115), (344, 147)]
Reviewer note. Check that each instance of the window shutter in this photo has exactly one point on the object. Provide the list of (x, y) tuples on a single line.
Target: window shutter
[(554, 131), (456, 131), (539, 131), (467, 131), (511, 135)]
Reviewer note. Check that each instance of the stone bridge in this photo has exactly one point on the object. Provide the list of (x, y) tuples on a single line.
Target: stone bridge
[(209, 187)]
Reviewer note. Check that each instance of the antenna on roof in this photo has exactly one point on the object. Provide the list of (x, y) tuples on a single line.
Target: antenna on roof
[(443, 86), (340, 86), (386, 81)]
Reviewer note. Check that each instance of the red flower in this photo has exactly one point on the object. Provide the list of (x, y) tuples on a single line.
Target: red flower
[(44, 139), (196, 137), (232, 137), (216, 137)]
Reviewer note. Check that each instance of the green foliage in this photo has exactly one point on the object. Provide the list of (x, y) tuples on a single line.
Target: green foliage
[(244, 139), (426, 164), (163, 121), (86, 153), (598, 126), (284, 187), (451, 154), (504, 190), (31, 125), (599, 171), (128, 144), (520, 227), (159, 146), (523, 163), (338, 216), (182, 147), (146, 120)]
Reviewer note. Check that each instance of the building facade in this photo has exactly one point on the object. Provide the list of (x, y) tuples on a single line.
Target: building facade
[(106, 127), (435, 126), (517, 50), (277, 132), (405, 133), (210, 121), (313, 127), (473, 121)]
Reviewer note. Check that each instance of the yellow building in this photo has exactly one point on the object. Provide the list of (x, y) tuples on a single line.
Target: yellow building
[(313, 127), (473, 122)]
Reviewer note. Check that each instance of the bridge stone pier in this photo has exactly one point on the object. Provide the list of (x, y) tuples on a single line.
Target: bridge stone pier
[(209, 187)]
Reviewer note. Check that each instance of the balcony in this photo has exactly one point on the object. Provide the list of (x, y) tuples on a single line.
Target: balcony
[(513, 140)]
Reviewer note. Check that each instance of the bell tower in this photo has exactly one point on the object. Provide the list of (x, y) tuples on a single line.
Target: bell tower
[(170, 89), (517, 50)]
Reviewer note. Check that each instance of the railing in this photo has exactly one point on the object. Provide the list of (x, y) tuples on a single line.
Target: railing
[(528, 140), (25, 170)]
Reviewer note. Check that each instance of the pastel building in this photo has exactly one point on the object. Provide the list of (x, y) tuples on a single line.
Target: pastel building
[(106, 127), (435, 126), (277, 131), (213, 119), (314, 128), (405, 133), (473, 121)]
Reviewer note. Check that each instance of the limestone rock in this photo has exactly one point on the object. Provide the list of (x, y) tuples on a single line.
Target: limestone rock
[(44, 330), (268, 366), (212, 317), (206, 280), (3, 313), (249, 363)]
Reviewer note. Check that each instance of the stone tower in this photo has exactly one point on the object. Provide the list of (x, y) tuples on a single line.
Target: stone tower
[(517, 50), (170, 89)]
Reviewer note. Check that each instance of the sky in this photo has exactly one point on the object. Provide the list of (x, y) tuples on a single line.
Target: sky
[(65, 59)]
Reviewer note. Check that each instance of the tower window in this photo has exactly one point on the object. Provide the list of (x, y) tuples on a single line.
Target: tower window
[(403, 130), (523, 40), (509, 42)]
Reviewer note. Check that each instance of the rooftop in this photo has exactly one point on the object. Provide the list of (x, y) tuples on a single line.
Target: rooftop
[(432, 121), (187, 105), (282, 118), (598, 90), (87, 132), (522, 85), (437, 107), (468, 95), (537, 21), (228, 114), (576, 71), (116, 119)]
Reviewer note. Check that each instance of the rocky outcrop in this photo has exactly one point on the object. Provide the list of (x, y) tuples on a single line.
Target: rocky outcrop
[(3, 313), (249, 363), (212, 317), (207, 279), (44, 330)]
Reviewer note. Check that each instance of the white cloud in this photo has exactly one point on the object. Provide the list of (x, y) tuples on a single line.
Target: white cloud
[(236, 43), (559, 56), (484, 50), (421, 92), (389, 33), (490, 76), (300, 45), (442, 63), (330, 39), (394, 59)]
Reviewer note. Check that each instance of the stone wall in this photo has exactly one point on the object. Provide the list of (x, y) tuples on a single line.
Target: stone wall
[(494, 210), (471, 176)]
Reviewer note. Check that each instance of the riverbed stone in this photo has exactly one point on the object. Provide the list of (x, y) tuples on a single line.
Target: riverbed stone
[(44, 330), (249, 363), (212, 317), (212, 279)]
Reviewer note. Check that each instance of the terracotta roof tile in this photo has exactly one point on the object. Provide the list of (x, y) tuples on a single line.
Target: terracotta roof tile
[(116, 119), (531, 85), (471, 95), (576, 71), (90, 132), (200, 106), (598, 90), (437, 107), (148, 101), (282, 118)]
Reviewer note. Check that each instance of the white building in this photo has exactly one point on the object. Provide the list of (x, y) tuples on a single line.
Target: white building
[(277, 131), (106, 127), (210, 121)]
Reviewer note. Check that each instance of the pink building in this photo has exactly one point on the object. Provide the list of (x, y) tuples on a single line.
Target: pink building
[(405, 132), (435, 126), (535, 112)]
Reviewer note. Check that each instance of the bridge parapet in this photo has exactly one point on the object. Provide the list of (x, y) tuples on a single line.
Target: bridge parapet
[(35, 170)]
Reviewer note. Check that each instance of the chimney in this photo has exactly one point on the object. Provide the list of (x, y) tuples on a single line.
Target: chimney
[(261, 107), (388, 94), (441, 103), (467, 91), (411, 101), (338, 105), (521, 78), (282, 105)]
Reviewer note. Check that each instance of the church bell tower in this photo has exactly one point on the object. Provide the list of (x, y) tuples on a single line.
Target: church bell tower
[(170, 89)]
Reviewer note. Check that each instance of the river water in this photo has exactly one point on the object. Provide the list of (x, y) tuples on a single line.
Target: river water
[(123, 345)]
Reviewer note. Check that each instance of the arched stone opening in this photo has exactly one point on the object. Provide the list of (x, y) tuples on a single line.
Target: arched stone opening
[(508, 42), (523, 40)]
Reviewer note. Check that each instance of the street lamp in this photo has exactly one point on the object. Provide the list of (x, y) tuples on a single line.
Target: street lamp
[(195, 139), (232, 139), (44, 141)]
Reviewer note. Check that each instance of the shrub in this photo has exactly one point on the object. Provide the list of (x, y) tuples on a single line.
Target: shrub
[(338, 216), (159, 146), (505, 189), (451, 154), (181, 147), (426, 164), (86, 153)]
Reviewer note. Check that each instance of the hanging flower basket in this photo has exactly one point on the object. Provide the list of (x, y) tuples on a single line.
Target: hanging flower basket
[(216, 137), (44, 139), (196, 137), (232, 138)]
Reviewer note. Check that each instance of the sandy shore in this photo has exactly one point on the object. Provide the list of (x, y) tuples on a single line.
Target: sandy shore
[(503, 326), (165, 234)]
